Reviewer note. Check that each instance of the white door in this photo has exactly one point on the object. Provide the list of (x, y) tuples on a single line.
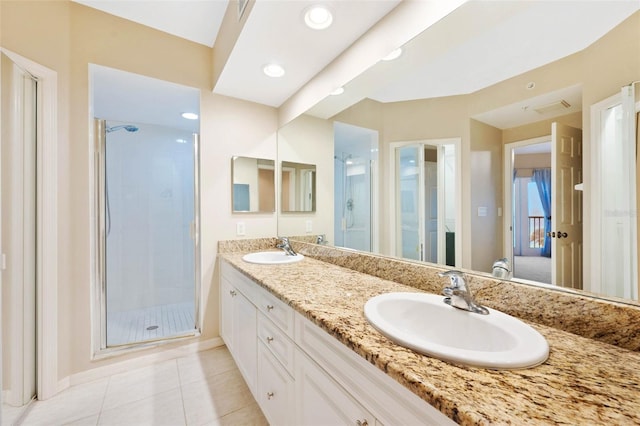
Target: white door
[(431, 211), (18, 156), (566, 206)]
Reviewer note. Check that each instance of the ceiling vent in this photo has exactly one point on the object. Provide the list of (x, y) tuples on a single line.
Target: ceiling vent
[(552, 107)]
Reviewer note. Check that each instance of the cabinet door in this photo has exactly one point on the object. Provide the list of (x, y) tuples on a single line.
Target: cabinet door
[(227, 293), (244, 338), (322, 401), (275, 389)]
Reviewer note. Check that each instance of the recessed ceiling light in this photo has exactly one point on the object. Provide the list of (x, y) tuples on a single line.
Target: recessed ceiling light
[(318, 17), (190, 115), (393, 55), (338, 91), (273, 70)]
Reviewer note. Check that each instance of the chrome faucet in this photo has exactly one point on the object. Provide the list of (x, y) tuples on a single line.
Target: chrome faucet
[(458, 295), (501, 268), (284, 245), (321, 239)]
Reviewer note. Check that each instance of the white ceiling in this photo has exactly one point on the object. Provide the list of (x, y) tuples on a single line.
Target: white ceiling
[(482, 43), (479, 44), (195, 20), (275, 32), (136, 99)]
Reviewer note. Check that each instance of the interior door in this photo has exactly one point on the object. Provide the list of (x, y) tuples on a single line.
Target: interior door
[(566, 206), (431, 210), (410, 201)]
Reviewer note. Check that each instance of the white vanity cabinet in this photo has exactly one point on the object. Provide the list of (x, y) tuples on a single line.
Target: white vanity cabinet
[(239, 327), (299, 374), (322, 401)]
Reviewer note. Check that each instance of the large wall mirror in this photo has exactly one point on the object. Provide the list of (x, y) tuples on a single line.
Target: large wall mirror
[(514, 100), (254, 185), (298, 187)]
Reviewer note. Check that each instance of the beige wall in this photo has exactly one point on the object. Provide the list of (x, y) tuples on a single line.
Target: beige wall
[(309, 140), (66, 37), (485, 173)]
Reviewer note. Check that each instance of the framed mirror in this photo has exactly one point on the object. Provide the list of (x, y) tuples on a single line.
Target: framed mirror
[(298, 189), (253, 185), (435, 90)]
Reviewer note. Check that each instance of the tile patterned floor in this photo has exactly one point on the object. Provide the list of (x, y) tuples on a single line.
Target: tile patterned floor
[(148, 324), (201, 389)]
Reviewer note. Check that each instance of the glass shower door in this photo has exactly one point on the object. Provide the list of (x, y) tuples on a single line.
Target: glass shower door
[(410, 204), (149, 217)]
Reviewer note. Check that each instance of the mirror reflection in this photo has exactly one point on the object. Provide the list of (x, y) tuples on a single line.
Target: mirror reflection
[(298, 187), (514, 110), (254, 188)]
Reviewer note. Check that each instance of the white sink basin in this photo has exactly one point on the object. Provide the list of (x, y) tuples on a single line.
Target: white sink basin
[(271, 258), (424, 323)]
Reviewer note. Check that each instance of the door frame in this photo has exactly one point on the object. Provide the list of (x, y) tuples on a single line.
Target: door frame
[(46, 225), (391, 162), (508, 192), (100, 349), (592, 275)]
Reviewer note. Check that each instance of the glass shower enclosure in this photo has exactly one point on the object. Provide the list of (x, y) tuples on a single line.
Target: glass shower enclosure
[(148, 221)]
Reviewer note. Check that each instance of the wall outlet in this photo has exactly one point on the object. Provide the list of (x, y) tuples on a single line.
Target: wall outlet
[(308, 225), (241, 229)]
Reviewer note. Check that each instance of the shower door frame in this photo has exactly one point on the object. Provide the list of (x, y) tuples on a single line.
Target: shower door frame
[(99, 314)]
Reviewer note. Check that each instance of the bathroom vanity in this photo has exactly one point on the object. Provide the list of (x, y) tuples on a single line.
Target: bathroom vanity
[(299, 336)]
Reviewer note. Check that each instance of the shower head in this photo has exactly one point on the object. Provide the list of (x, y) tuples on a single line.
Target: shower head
[(128, 127)]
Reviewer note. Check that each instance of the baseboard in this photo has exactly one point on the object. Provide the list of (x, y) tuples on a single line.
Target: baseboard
[(138, 362)]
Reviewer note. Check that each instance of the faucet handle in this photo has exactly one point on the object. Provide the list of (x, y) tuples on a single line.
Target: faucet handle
[(456, 277)]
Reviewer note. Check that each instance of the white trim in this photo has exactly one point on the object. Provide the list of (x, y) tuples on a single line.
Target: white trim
[(47, 226), (374, 170), (507, 215), (138, 362), (592, 280)]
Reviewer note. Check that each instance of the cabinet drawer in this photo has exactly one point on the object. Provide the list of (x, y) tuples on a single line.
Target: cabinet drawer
[(276, 310), (275, 389), (276, 341)]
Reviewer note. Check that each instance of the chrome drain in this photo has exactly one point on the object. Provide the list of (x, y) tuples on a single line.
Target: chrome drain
[(152, 327)]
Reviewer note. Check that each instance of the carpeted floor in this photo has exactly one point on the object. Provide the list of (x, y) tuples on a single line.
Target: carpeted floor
[(533, 268)]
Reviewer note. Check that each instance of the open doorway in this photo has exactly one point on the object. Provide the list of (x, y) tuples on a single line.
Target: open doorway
[(560, 193), (425, 223), (530, 163)]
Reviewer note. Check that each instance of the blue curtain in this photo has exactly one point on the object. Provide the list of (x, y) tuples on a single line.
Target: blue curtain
[(542, 178)]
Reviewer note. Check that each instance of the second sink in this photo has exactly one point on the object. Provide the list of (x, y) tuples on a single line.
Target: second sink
[(271, 257), (424, 323)]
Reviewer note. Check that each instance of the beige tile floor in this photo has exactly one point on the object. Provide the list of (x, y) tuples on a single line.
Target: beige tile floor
[(201, 389)]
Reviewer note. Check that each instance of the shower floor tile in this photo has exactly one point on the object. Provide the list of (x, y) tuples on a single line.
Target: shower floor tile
[(152, 323)]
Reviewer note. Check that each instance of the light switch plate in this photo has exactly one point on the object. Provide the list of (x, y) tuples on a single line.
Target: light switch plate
[(308, 226), (241, 229)]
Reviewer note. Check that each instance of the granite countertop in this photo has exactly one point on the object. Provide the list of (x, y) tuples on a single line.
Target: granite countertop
[(583, 381)]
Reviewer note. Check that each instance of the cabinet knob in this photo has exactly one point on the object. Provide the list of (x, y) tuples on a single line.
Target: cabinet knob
[(269, 307), (270, 395), (362, 423), (269, 339), (232, 293)]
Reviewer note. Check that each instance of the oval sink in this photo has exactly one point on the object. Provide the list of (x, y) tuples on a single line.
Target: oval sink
[(424, 323), (271, 257)]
